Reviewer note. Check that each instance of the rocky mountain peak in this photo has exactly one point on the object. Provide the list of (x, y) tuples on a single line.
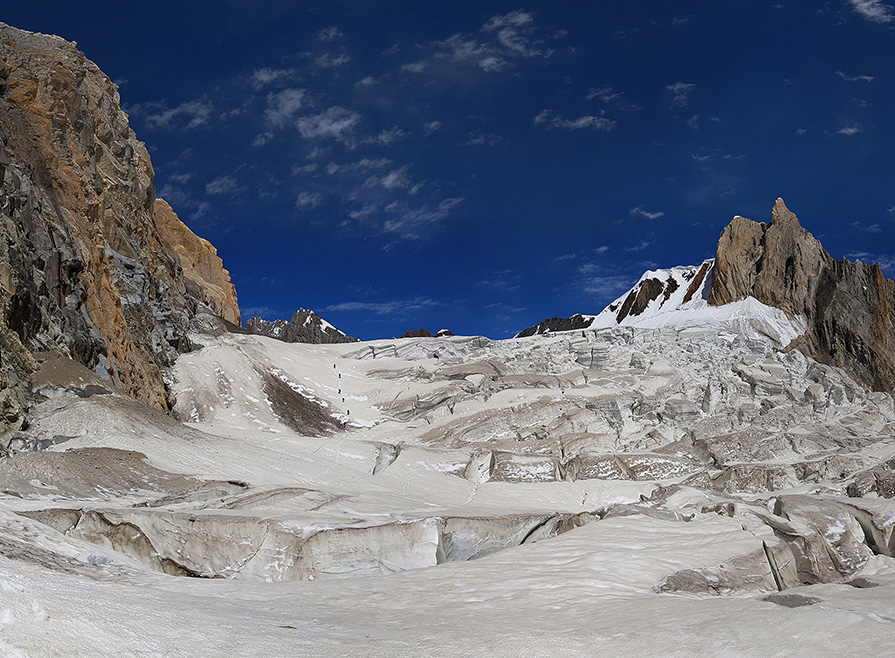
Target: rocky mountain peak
[(847, 307), (305, 326), (782, 215), (778, 264)]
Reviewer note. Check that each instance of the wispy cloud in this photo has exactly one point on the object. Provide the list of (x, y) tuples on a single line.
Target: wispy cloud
[(393, 180), (886, 261), (681, 93), (387, 137), (331, 61), (855, 78), (308, 200), (554, 120), (397, 307), (431, 127), (408, 222), (867, 228), (851, 130), (873, 10), (282, 106), (223, 185), (329, 34), (609, 96), (479, 137), (190, 114), (267, 76), (336, 123), (502, 40), (640, 212)]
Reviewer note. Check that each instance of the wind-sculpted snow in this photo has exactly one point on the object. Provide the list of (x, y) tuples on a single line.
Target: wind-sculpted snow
[(563, 487)]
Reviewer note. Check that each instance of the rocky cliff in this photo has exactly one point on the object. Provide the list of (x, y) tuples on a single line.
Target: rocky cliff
[(85, 271), (304, 327), (206, 280), (849, 307)]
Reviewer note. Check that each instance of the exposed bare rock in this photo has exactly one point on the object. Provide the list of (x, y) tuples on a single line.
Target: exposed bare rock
[(577, 321), (849, 307), (304, 327), (206, 279), (84, 271)]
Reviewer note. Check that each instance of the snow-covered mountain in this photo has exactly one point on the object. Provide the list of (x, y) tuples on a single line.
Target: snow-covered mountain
[(304, 327), (678, 298)]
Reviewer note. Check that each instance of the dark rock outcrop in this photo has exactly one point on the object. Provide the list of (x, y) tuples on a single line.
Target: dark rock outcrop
[(417, 333), (547, 325), (424, 333), (304, 327), (84, 269), (849, 308)]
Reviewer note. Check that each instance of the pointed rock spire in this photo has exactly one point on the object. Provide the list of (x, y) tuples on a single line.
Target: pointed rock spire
[(783, 215)]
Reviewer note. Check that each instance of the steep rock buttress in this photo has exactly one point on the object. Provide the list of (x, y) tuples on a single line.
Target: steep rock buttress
[(85, 271)]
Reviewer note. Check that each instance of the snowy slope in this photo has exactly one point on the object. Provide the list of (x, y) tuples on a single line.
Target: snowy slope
[(677, 298)]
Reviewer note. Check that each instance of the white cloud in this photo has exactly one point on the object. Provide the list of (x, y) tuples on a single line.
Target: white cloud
[(556, 121), (305, 169), (361, 165), (369, 81), (513, 32), (387, 137), (886, 261), (681, 92), (308, 200), (393, 180), (431, 127), (639, 211), (873, 10), (398, 306), (329, 34), (409, 221), (855, 78), (282, 106), (608, 286), (265, 76), (188, 115), (507, 37), (415, 67), (335, 123), (605, 94), (261, 139), (330, 61), (851, 130), (223, 185), (478, 138), (180, 177), (366, 211)]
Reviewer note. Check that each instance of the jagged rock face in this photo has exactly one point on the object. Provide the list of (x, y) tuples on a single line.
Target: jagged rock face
[(778, 264), (304, 327), (206, 279), (83, 269), (849, 307), (577, 321)]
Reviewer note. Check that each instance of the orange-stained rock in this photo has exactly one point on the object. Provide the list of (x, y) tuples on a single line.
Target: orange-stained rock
[(206, 279), (84, 271), (848, 308)]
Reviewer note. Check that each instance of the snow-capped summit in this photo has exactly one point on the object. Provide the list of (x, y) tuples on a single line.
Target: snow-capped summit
[(304, 327)]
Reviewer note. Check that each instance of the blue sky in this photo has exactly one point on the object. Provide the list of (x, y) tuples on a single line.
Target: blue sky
[(482, 165)]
